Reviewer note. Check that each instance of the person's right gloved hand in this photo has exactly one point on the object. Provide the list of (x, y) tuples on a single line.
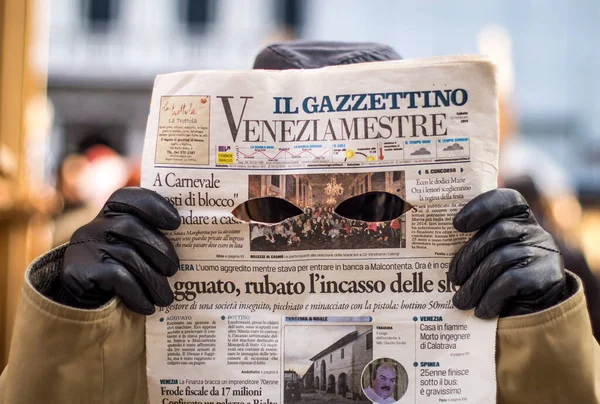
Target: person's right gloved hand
[(511, 266), (121, 252)]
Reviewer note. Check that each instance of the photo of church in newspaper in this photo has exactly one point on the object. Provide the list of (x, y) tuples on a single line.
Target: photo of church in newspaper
[(320, 228), (328, 371)]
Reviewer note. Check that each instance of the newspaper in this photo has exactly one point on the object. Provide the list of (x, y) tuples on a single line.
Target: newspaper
[(321, 307)]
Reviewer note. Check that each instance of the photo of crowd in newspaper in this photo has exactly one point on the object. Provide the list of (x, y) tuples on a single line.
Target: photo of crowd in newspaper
[(320, 227)]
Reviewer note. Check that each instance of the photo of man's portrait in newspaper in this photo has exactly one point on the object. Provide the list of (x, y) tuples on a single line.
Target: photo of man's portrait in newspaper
[(330, 370), (320, 227), (384, 381)]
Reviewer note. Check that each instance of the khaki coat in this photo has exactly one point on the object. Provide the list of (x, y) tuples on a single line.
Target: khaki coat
[(65, 355)]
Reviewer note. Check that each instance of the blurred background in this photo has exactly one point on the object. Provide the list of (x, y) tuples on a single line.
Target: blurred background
[(76, 78)]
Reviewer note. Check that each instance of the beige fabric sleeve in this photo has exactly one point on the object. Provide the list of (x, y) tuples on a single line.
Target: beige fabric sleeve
[(64, 355), (550, 356)]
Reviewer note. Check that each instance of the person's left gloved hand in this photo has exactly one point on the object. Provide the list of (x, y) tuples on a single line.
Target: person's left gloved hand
[(122, 252), (511, 266)]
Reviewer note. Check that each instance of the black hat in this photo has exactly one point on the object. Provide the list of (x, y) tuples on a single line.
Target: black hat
[(315, 54)]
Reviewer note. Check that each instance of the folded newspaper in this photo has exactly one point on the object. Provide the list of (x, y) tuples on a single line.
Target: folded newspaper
[(321, 305)]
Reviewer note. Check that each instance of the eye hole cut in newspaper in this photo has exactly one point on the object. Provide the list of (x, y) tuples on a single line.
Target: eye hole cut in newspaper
[(370, 207), (316, 236)]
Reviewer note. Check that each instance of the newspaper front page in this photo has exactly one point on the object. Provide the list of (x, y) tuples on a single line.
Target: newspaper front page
[(321, 307)]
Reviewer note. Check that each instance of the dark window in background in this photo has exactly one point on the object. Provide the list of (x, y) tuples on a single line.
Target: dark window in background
[(100, 15), (396, 176), (369, 341), (79, 137), (290, 15), (198, 15)]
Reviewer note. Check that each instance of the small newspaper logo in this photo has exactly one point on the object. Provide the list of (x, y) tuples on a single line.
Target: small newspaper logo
[(225, 155)]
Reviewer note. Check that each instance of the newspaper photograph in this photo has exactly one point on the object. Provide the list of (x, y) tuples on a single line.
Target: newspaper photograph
[(316, 233)]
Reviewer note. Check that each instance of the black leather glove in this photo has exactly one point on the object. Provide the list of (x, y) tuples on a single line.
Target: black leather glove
[(511, 266), (122, 252)]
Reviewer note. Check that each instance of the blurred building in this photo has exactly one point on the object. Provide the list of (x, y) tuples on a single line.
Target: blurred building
[(104, 55)]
